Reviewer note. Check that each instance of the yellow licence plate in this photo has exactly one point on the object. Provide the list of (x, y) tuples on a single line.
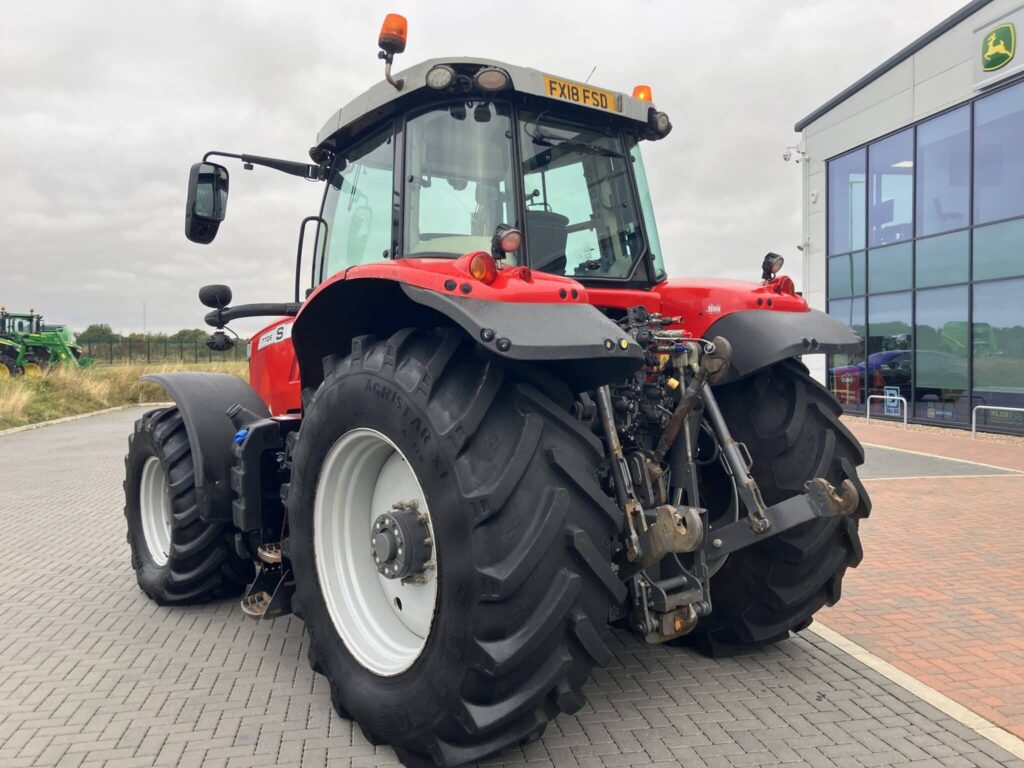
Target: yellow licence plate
[(578, 93)]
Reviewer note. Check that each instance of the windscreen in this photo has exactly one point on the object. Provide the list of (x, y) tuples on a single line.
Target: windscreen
[(581, 215), (458, 178)]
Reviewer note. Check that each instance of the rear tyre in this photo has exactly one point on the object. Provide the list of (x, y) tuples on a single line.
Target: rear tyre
[(522, 534), (8, 368), (177, 557), (790, 424)]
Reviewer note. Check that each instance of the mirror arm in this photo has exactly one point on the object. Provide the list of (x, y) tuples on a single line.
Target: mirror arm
[(305, 170), (218, 318)]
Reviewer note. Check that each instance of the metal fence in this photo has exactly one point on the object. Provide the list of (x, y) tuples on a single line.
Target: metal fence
[(122, 350)]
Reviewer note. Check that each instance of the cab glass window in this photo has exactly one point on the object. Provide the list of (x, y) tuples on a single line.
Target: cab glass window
[(647, 206), (358, 206), (581, 218), (458, 179)]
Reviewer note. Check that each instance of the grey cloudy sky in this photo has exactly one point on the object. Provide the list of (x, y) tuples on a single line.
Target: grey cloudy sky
[(103, 107)]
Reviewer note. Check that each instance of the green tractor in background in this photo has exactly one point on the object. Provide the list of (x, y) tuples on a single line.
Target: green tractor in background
[(9, 355), (30, 347)]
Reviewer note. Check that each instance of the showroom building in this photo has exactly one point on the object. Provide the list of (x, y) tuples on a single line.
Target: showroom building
[(913, 224)]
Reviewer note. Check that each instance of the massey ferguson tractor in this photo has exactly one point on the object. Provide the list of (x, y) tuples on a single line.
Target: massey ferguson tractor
[(493, 426)]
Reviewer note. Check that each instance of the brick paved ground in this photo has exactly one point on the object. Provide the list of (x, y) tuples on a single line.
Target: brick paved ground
[(953, 443), (91, 673), (941, 592)]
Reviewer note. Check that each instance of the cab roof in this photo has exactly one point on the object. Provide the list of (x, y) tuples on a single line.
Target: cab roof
[(383, 100)]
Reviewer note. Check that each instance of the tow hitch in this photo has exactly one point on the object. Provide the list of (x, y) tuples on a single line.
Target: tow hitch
[(821, 500), (670, 549)]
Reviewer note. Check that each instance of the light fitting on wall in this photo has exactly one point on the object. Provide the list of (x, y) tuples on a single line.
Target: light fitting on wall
[(794, 153)]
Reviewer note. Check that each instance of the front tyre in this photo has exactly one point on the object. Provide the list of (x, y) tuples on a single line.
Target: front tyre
[(497, 624), (177, 556), (790, 425)]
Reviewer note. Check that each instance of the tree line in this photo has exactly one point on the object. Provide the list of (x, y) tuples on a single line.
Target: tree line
[(103, 332)]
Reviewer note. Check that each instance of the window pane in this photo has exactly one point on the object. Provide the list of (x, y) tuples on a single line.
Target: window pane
[(999, 156), (846, 371), (943, 172), (647, 207), (941, 354), (889, 268), (846, 200), (846, 275), (999, 350), (891, 210), (458, 179), (942, 260), (358, 207), (581, 219), (999, 250), (890, 341)]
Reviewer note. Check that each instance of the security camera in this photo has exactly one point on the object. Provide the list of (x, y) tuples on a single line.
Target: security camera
[(794, 152)]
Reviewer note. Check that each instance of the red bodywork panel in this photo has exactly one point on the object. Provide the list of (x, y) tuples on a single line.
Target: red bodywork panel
[(274, 370), (703, 301)]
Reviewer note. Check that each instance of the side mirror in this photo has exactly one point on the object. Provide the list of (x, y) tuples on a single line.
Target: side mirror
[(207, 201), (215, 296)]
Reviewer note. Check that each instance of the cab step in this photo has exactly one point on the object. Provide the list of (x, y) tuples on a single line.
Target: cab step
[(270, 553), (256, 603), (270, 594)]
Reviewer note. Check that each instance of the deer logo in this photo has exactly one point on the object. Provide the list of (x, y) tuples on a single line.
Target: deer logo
[(998, 46)]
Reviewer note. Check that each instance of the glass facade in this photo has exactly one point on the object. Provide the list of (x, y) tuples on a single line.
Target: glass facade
[(926, 263)]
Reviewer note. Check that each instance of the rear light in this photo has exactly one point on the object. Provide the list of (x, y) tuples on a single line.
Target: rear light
[(393, 34), (643, 93), (440, 77), (771, 265), (659, 123), (491, 79), (483, 268), (505, 240)]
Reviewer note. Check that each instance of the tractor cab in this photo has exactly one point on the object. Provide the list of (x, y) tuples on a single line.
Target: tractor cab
[(20, 322), (447, 157), (432, 169)]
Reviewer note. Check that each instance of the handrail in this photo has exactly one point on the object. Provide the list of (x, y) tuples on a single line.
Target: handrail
[(887, 397), (974, 415)]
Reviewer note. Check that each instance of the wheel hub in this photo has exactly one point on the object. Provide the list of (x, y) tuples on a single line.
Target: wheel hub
[(400, 542), (155, 510), (384, 619)]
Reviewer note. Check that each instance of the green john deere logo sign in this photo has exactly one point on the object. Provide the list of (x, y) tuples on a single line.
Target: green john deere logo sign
[(998, 47)]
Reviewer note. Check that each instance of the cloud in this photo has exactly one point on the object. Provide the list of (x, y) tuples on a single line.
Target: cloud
[(103, 107)]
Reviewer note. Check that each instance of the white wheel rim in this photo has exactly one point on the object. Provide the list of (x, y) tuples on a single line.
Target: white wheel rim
[(383, 622), (155, 510)]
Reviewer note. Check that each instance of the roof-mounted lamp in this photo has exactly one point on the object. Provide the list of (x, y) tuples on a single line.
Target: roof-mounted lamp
[(393, 34)]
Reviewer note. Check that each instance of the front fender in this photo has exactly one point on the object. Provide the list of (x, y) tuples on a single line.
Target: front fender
[(761, 338), (203, 400)]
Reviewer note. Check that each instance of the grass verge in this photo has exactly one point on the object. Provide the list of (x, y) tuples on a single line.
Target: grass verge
[(71, 391)]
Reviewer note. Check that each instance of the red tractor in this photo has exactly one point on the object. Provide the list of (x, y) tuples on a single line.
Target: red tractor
[(493, 425)]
